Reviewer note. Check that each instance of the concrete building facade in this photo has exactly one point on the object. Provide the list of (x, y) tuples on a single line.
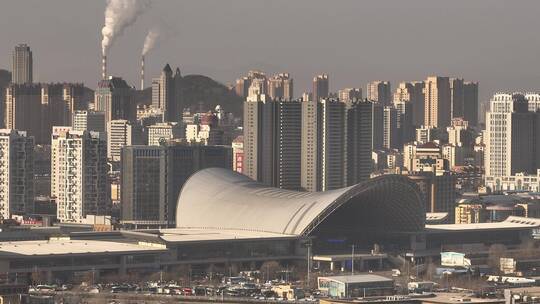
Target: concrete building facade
[(115, 97), (437, 104), (79, 181), (379, 91), (22, 65), (323, 145), (17, 173)]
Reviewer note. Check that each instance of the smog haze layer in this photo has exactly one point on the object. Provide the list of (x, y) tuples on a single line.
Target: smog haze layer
[(353, 41)]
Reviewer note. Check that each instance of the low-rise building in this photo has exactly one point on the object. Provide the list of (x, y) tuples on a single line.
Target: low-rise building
[(352, 286)]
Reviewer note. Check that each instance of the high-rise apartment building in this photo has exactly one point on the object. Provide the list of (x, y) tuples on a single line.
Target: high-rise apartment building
[(470, 107), (280, 87), (89, 121), (244, 83), (321, 87), (17, 173), (152, 177), (22, 65), (413, 93), (457, 97), (75, 99), (120, 133), (241, 87), (405, 126), (167, 94), (144, 185), (23, 108), (350, 94), (323, 145), (512, 138), (272, 140), (437, 104), (79, 174), (390, 128), (54, 110), (115, 97), (359, 133), (377, 128), (379, 91), (35, 108), (533, 100)]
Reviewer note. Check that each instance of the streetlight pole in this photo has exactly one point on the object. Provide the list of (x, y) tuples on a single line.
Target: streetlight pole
[(308, 263), (352, 260)]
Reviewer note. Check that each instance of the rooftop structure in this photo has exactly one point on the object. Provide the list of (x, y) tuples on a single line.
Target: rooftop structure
[(231, 201)]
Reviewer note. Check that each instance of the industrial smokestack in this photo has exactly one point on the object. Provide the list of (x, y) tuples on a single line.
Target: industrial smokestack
[(104, 67), (119, 15), (142, 72)]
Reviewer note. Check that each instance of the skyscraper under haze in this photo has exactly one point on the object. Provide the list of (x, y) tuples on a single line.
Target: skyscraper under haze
[(280, 87), (412, 92), (359, 133), (379, 91), (115, 97), (23, 109), (166, 94), (272, 140), (323, 145), (437, 104), (321, 87), (470, 107), (350, 94), (390, 128), (457, 97), (22, 65), (512, 137)]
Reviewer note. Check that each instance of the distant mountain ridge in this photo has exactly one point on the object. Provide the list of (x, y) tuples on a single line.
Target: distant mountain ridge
[(200, 93)]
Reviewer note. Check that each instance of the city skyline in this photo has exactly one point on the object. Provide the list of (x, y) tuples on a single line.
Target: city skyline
[(397, 51)]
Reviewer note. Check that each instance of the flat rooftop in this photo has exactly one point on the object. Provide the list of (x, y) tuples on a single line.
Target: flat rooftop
[(69, 247), (181, 235), (348, 257), (358, 278), (511, 223), (455, 298)]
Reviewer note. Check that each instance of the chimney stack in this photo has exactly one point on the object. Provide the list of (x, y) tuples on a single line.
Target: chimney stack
[(142, 73), (104, 67)]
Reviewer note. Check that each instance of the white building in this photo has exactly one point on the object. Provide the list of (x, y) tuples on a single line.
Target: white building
[(204, 134), (121, 133), (163, 132), (79, 174), (16, 173), (511, 138), (425, 134), (350, 94), (89, 121), (534, 101), (517, 182)]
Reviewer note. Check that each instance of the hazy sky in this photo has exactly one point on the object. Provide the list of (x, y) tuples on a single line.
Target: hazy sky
[(354, 41)]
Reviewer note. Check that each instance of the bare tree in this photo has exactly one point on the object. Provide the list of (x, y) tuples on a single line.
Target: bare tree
[(495, 253)]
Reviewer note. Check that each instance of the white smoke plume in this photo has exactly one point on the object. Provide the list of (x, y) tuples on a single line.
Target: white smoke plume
[(119, 15), (150, 40)]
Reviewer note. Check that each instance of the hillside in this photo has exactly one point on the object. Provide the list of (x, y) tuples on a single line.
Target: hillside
[(202, 90)]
